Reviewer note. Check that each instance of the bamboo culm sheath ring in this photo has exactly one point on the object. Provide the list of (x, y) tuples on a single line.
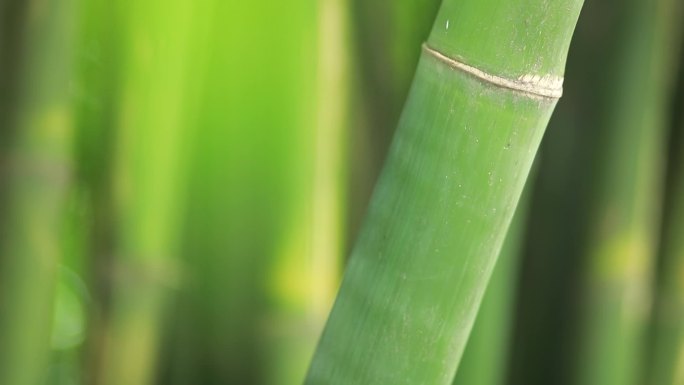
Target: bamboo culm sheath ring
[(533, 85)]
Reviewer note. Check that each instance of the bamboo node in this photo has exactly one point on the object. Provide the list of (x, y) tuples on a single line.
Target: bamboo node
[(547, 86)]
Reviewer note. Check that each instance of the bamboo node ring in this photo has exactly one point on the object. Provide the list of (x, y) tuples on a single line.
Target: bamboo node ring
[(548, 86)]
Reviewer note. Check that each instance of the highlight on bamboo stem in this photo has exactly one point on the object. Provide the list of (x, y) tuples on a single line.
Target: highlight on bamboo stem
[(323, 192), (626, 206)]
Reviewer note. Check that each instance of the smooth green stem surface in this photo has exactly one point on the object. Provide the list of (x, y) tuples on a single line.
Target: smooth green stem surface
[(485, 359), (445, 199)]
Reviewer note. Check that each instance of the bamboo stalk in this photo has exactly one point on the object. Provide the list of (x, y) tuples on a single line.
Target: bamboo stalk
[(311, 246), (35, 168), (666, 362), (71, 295), (145, 181), (97, 105), (265, 199), (624, 230), (485, 358), (465, 143)]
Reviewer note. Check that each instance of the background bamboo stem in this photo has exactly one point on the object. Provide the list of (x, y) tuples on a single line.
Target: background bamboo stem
[(626, 205), (35, 171), (665, 361), (146, 174), (312, 245), (668, 350)]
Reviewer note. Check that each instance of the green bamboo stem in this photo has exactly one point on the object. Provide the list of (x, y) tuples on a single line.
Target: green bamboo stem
[(485, 358), (439, 214), (626, 212), (307, 268), (35, 169), (97, 106), (666, 363), (71, 295), (146, 172), (264, 201)]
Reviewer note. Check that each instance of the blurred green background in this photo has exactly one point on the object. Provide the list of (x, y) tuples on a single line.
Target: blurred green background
[(181, 182)]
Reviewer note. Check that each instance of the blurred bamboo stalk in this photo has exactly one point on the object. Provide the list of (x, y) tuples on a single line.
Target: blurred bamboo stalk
[(35, 169), (666, 362), (387, 40), (266, 194), (97, 107), (624, 232), (485, 359), (146, 172), (312, 249)]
